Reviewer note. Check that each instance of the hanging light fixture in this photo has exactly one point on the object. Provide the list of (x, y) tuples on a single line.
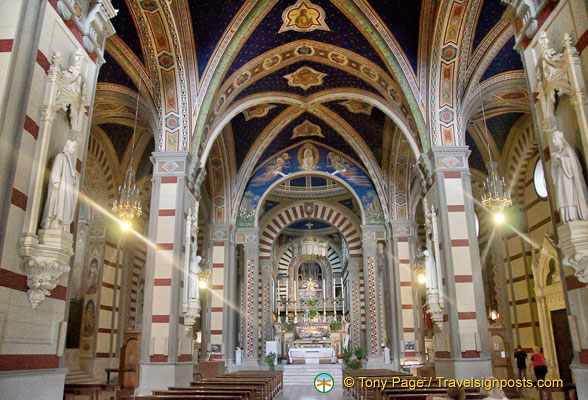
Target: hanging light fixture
[(495, 197), (128, 206)]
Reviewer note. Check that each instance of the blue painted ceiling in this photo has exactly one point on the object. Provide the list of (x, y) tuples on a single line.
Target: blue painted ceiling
[(331, 138), (370, 127), (500, 126), (120, 135), (125, 27), (316, 224), (210, 19), (507, 59), (112, 72), (245, 132), (489, 16), (343, 33), (275, 82), (403, 20), (475, 160)]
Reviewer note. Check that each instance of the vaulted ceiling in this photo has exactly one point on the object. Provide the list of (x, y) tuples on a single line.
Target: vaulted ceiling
[(319, 69)]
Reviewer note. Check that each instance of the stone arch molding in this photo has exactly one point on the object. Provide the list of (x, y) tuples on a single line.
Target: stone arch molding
[(340, 218)]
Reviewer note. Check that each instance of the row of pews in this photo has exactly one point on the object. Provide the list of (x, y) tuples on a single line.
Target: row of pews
[(399, 386), (248, 385)]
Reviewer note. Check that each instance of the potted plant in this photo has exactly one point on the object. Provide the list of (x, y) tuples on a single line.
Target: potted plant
[(270, 359), (287, 326), (336, 325), (297, 336), (352, 359)]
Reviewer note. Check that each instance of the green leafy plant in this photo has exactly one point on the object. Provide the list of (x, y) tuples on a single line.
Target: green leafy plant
[(287, 326), (270, 359), (297, 336), (327, 335), (352, 359), (311, 303), (312, 313), (336, 325)]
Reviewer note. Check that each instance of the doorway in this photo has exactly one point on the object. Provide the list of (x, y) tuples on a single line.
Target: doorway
[(563, 343)]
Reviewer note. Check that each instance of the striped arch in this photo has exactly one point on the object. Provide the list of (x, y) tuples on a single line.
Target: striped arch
[(105, 164), (276, 221), (220, 168), (332, 256), (520, 148)]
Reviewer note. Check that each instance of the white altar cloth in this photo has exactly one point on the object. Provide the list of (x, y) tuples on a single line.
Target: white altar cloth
[(312, 355)]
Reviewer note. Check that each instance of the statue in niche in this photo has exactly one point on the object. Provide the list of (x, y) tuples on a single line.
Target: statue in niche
[(430, 270), (568, 180), (62, 194)]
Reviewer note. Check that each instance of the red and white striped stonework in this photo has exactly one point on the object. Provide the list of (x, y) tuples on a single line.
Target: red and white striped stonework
[(271, 229), (163, 268), (218, 292), (406, 299), (462, 262), (373, 307)]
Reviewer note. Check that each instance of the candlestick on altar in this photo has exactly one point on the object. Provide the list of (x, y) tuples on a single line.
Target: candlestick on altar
[(334, 302), (343, 298)]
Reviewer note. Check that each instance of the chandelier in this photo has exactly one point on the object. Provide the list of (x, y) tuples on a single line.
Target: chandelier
[(495, 197), (310, 249), (128, 206)]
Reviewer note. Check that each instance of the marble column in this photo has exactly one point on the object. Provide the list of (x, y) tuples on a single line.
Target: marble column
[(251, 295), (462, 349), (371, 278), (165, 350), (232, 297)]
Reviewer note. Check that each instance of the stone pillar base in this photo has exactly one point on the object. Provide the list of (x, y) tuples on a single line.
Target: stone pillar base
[(159, 376), (580, 372), (376, 363), (42, 384), (463, 368), (248, 364)]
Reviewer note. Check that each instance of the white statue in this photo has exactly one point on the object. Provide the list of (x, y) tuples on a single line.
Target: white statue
[(430, 270), (569, 181), (62, 195)]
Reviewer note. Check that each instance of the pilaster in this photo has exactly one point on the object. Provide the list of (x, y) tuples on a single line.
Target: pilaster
[(219, 316)]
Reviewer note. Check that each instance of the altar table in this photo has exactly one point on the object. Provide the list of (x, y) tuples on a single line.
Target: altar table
[(312, 355)]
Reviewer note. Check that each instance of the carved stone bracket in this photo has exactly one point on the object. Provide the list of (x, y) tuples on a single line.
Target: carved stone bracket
[(433, 308), (192, 313), (573, 242), (46, 258)]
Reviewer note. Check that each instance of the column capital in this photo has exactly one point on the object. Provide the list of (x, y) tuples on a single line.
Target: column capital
[(449, 158), (170, 163), (403, 228), (373, 233), (249, 237), (219, 232)]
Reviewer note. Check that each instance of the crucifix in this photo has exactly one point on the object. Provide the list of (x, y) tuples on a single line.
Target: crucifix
[(309, 225)]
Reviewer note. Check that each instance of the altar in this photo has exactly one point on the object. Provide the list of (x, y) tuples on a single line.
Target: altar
[(312, 355)]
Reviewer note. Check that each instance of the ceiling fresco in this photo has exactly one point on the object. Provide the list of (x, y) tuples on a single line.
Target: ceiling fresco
[(315, 47), (342, 32)]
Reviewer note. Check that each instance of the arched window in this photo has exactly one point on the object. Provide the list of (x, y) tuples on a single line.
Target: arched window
[(539, 180)]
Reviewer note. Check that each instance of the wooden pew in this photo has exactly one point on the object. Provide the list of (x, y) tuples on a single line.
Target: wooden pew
[(93, 390)]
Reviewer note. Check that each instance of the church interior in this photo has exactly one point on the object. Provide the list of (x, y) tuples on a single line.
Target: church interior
[(212, 199)]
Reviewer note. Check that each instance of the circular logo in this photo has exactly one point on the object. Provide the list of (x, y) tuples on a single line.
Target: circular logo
[(324, 383)]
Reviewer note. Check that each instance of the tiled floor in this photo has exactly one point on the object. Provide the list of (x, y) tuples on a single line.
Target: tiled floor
[(299, 382)]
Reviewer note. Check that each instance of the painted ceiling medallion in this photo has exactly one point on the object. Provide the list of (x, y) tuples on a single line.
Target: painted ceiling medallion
[(306, 129), (305, 78), (303, 16), (357, 107), (257, 111)]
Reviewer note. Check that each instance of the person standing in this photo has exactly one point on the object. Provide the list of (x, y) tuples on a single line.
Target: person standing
[(539, 364), (521, 356)]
